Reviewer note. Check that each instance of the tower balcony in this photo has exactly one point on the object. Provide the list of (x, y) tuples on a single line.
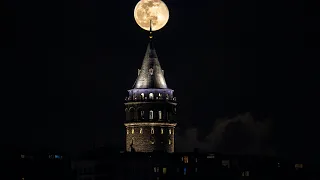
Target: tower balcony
[(146, 99)]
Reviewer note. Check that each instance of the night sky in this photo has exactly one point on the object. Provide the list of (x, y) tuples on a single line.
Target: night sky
[(239, 69)]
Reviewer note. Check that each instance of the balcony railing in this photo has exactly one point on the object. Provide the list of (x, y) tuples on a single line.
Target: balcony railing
[(146, 99)]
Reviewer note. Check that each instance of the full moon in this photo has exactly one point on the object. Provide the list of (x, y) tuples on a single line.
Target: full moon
[(154, 10)]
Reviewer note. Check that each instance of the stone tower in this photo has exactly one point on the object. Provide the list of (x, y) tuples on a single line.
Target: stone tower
[(150, 109)]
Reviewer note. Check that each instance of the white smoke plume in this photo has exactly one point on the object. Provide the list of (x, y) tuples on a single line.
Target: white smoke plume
[(237, 135)]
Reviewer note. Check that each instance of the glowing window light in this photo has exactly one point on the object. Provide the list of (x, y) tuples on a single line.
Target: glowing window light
[(161, 130), (170, 131), (140, 130), (151, 96), (132, 131), (160, 115), (169, 141), (151, 114), (184, 171)]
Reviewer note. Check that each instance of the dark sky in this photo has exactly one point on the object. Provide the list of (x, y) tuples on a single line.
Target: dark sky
[(75, 60)]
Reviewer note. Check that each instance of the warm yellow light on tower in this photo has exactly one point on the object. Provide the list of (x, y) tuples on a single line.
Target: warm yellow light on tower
[(154, 10)]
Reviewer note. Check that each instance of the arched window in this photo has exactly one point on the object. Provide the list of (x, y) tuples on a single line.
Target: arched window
[(152, 130), (131, 113), (151, 114), (160, 115), (150, 95), (142, 95)]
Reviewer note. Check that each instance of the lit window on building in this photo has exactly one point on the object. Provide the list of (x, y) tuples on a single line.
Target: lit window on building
[(22, 156), (140, 130), (151, 96), (142, 114), (156, 169), (164, 170), (161, 130), (298, 166), (159, 94), (127, 131), (278, 164), (169, 141), (160, 115), (196, 170), (57, 157), (142, 95), (196, 160), (132, 131), (152, 130), (186, 159), (151, 114), (151, 71), (210, 156), (169, 131), (51, 156), (184, 171)]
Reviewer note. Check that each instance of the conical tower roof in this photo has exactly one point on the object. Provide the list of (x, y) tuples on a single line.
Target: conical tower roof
[(150, 75)]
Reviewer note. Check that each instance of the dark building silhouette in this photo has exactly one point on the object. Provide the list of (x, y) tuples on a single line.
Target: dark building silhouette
[(21, 164), (193, 165), (150, 108)]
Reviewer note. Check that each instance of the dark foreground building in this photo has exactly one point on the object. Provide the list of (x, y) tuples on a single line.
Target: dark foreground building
[(159, 165), (20, 164)]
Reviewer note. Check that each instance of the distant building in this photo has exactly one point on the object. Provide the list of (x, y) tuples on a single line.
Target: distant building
[(25, 165), (150, 109), (160, 165)]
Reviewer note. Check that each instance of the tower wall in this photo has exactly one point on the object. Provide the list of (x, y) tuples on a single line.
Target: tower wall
[(146, 141)]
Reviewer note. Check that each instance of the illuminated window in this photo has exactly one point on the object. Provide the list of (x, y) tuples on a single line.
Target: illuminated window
[(127, 131), (140, 130), (142, 114), (151, 71), (196, 159), (169, 131), (159, 94), (185, 159), (57, 157), (132, 130), (160, 115), (151, 96), (161, 130), (184, 171), (169, 141), (22, 156), (164, 170), (142, 95), (152, 130), (156, 169), (298, 166), (151, 114)]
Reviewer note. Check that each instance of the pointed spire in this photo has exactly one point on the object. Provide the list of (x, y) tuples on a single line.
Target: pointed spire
[(150, 36), (150, 75)]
